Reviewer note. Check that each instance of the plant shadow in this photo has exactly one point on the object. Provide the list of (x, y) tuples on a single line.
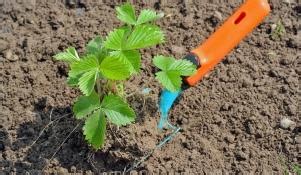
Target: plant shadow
[(55, 142)]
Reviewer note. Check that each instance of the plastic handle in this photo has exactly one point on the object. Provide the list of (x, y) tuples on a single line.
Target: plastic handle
[(236, 27)]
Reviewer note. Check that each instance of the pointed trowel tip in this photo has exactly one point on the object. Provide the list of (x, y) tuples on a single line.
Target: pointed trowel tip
[(166, 101)]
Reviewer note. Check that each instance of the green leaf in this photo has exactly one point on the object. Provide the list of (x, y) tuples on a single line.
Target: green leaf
[(73, 81), (115, 39), (84, 73), (88, 63), (148, 16), (94, 45), (170, 80), (114, 68), (117, 111), (172, 70), (97, 48), (126, 13), (183, 67), (163, 62), (85, 105), (131, 57), (70, 55), (95, 129), (144, 36), (87, 82)]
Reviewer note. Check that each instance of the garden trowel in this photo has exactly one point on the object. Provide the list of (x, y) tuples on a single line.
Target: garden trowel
[(215, 48)]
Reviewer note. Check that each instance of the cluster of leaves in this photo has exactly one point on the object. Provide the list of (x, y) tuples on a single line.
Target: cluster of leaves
[(101, 69), (172, 71)]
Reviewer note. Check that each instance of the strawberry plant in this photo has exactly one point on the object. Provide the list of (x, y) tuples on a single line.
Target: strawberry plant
[(172, 71), (100, 72)]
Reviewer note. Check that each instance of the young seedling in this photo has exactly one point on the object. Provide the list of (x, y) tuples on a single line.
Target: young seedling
[(278, 30), (172, 71), (99, 73)]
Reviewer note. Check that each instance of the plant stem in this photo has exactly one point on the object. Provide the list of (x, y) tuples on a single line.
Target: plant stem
[(112, 86), (99, 89)]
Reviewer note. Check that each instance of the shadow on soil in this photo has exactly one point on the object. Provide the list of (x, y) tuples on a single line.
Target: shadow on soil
[(43, 137)]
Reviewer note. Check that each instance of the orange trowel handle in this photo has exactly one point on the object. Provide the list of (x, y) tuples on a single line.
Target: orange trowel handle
[(214, 49)]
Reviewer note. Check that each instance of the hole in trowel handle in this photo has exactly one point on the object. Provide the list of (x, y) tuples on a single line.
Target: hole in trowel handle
[(241, 16)]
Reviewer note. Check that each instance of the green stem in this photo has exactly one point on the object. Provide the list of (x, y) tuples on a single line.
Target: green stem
[(99, 89)]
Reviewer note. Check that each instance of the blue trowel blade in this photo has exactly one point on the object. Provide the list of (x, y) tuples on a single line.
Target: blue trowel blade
[(166, 101)]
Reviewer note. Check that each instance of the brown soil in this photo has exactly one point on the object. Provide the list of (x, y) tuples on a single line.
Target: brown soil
[(230, 120)]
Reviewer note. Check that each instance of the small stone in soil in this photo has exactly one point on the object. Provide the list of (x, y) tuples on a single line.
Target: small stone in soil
[(73, 169), (273, 73), (287, 1), (185, 120), (218, 15), (10, 56), (286, 123), (62, 171), (71, 3)]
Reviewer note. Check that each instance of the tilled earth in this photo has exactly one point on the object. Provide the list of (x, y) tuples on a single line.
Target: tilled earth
[(230, 120)]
